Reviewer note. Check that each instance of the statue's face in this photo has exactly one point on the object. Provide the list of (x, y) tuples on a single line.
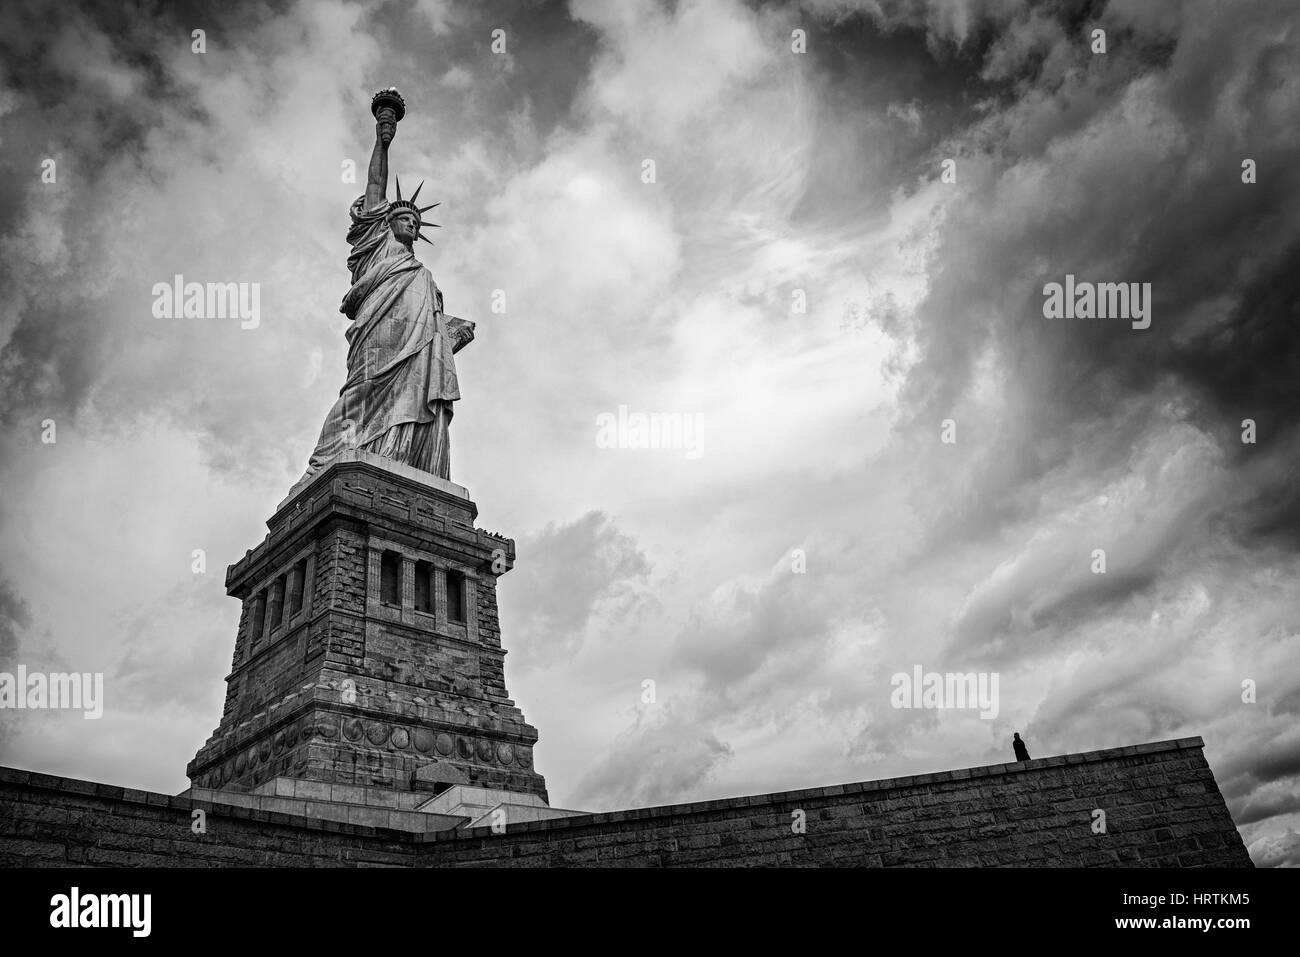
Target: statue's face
[(404, 227)]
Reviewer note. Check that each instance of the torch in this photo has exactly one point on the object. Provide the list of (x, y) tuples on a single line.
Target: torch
[(391, 101)]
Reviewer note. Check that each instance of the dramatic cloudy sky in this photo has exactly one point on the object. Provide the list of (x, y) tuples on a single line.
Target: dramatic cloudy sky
[(776, 172)]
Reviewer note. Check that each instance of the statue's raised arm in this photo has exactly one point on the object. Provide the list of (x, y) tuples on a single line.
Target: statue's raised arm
[(388, 108)]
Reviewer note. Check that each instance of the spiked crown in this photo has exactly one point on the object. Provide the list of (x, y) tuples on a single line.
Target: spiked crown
[(399, 205)]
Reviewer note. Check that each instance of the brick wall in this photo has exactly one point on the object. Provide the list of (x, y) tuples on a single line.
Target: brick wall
[(1162, 806), (57, 822)]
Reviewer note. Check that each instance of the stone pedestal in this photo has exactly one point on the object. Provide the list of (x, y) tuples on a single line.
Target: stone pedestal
[(369, 651)]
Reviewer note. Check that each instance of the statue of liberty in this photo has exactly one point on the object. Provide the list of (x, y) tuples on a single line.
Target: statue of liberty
[(401, 381)]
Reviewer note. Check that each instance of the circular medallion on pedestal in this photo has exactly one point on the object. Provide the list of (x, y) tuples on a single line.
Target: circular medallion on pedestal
[(525, 757), (353, 729), (264, 751), (484, 750), (401, 739), (227, 772), (423, 740), (241, 762), (444, 743), (505, 753), (464, 748), (376, 732), (327, 726)]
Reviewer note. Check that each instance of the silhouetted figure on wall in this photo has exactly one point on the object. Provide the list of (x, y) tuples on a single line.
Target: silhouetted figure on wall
[(1022, 752)]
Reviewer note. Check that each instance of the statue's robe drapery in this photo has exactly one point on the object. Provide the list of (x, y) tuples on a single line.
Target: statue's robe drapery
[(401, 383)]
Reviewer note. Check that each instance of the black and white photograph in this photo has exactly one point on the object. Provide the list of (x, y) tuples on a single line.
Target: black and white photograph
[(636, 434)]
